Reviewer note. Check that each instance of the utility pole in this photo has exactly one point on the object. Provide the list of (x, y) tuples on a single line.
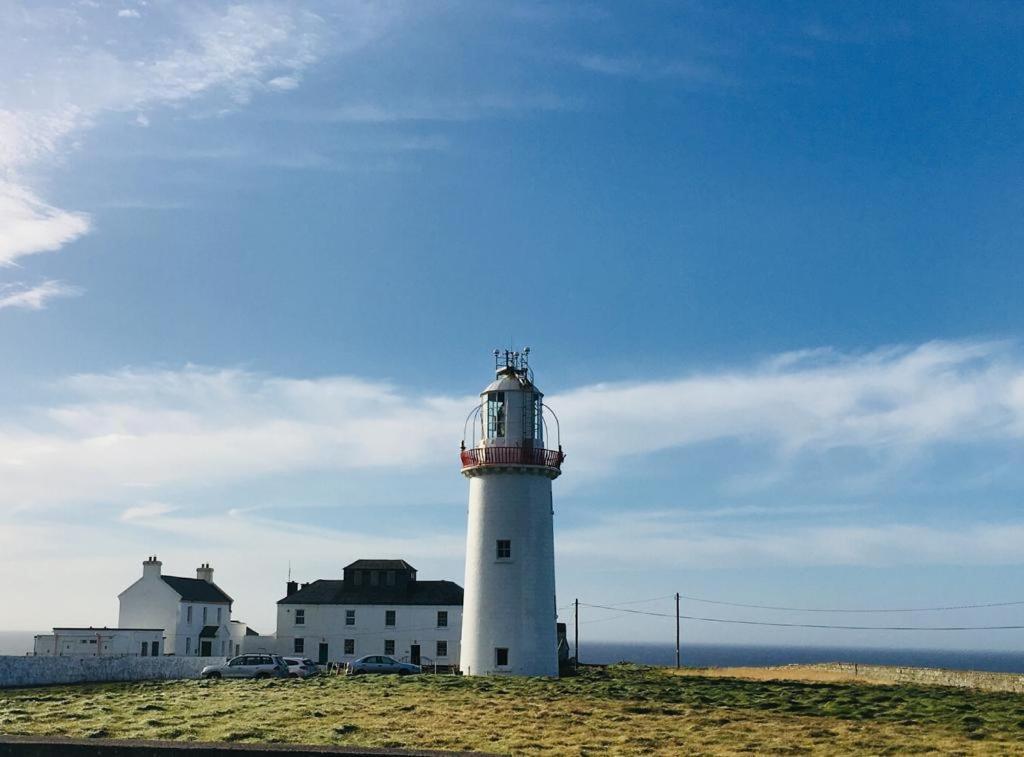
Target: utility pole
[(576, 605), (677, 629)]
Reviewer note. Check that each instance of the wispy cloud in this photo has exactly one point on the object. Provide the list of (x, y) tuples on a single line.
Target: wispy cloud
[(110, 433), (34, 297), (57, 83), (642, 67), (672, 541)]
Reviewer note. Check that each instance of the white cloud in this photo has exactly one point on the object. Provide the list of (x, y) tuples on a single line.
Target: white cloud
[(35, 297), (31, 226), (56, 83), (283, 83), (672, 540), (128, 13), (109, 434)]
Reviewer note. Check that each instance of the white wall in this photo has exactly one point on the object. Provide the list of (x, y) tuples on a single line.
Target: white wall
[(414, 624), (150, 603), (41, 671)]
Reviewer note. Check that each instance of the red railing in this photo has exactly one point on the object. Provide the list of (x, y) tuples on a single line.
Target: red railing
[(479, 456)]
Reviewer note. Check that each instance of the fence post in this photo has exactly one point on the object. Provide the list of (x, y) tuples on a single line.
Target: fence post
[(576, 614), (677, 629)]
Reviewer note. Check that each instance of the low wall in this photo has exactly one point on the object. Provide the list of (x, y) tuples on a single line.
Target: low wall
[(974, 679), (44, 670)]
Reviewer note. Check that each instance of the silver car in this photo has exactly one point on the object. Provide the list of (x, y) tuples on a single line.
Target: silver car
[(300, 667), (378, 663), (248, 666)]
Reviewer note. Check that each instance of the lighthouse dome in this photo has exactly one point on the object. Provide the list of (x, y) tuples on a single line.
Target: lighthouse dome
[(509, 380)]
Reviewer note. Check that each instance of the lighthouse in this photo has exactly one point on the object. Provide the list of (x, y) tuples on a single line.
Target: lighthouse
[(509, 617)]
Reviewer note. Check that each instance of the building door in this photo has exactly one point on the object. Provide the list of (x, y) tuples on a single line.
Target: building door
[(323, 654), (414, 654), (205, 648)]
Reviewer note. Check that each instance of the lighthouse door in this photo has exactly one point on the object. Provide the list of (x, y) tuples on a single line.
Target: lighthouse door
[(414, 654)]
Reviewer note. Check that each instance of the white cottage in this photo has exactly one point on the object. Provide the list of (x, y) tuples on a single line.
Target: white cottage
[(378, 607), (97, 642), (195, 613)]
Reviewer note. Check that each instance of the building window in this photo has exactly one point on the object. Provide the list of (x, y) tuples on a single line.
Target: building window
[(238, 649), (495, 414), (442, 618), (218, 615), (204, 615), (188, 615), (350, 646), (501, 657), (155, 649), (145, 649), (442, 649), (389, 617), (389, 646), (504, 551), (299, 646), (300, 617), (188, 643), (350, 617)]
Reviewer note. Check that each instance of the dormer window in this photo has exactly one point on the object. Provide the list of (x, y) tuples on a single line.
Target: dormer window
[(495, 414)]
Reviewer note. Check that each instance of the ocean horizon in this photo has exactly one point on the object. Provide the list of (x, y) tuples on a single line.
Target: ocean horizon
[(741, 655), (19, 643)]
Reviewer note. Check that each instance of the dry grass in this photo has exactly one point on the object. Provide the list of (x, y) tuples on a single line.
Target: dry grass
[(619, 710)]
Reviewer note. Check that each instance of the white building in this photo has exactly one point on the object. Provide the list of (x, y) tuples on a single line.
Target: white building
[(510, 622), (194, 613), (378, 607), (95, 642)]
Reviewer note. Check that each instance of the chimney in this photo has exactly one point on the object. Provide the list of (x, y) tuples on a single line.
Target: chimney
[(151, 567), (293, 586), (205, 573)]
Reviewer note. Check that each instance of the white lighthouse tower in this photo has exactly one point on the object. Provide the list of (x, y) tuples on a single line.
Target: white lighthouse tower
[(508, 623)]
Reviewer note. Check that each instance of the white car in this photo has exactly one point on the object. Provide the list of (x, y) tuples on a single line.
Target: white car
[(300, 667)]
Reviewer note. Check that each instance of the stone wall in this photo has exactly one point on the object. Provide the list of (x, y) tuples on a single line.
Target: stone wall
[(936, 676), (41, 671)]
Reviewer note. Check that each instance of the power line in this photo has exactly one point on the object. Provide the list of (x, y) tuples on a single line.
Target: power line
[(838, 610), (809, 625)]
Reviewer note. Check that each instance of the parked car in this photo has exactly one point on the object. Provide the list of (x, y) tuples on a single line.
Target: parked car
[(300, 667), (248, 666), (378, 663)]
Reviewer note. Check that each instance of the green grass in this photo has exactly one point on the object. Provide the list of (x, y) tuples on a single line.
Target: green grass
[(623, 709)]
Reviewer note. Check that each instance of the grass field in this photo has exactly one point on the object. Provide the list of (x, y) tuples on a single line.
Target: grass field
[(622, 709)]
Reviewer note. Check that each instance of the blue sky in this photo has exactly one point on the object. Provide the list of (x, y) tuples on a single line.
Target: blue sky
[(254, 257)]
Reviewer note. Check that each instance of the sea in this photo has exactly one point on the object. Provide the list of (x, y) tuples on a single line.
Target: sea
[(733, 655)]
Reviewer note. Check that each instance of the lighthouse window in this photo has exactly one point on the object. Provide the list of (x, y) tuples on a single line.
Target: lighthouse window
[(501, 657), (495, 414), (504, 551)]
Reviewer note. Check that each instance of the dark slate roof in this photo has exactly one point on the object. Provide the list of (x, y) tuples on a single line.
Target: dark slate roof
[(380, 565), (208, 632), (196, 590), (334, 592)]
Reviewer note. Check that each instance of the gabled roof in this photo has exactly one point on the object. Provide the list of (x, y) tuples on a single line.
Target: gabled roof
[(379, 565), (336, 592), (196, 590)]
